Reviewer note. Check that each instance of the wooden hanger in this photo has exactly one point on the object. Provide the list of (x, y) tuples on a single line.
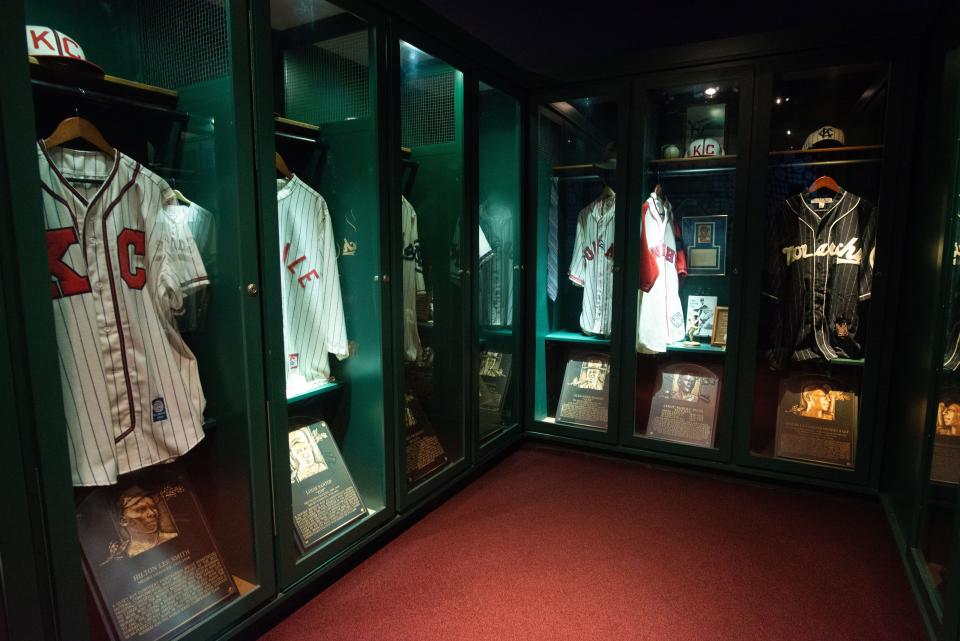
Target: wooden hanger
[(282, 166), (824, 182), (76, 127)]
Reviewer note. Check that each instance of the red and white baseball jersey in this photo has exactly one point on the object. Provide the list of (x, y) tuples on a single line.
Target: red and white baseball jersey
[(662, 264), (313, 323), (592, 264), (119, 270)]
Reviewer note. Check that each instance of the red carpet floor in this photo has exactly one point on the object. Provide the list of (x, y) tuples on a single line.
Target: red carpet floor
[(561, 545)]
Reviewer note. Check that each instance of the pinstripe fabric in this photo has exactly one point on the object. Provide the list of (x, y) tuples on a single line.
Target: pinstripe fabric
[(819, 267), (413, 283), (592, 265), (313, 323), (119, 271)]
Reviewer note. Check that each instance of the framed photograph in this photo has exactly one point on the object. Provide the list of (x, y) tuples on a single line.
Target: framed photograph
[(720, 321), (700, 316), (705, 241)]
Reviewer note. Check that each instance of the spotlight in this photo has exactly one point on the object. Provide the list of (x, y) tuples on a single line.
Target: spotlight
[(711, 91)]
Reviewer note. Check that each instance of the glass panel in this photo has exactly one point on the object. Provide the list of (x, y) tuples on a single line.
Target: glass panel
[(328, 244), (434, 271), (940, 495), (682, 240), (158, 340), (818, 253), (499, 260), (576, 213)]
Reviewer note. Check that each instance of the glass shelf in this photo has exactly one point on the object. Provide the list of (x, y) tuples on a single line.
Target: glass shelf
[(704, 348), (574, 337), (325, 388)]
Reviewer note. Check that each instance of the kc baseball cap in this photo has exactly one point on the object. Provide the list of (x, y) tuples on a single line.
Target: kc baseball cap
[(826, 136), (50, 45)]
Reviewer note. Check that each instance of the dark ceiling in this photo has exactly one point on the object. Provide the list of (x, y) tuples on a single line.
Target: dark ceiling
[(547, 37)]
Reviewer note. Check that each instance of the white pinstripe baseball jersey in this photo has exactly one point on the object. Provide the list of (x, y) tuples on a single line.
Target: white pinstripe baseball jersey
[(413, 283), (662, 263), (118, 274), (313, 323), (592, 264)]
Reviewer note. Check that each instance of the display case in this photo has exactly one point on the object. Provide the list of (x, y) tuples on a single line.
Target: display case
[(141, 169), (579, 222), (433, 273), (688, 216), (322, 240), (810, 393), (498, 282)]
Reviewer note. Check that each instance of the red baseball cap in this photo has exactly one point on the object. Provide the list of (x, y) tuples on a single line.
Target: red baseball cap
[(48, 44)]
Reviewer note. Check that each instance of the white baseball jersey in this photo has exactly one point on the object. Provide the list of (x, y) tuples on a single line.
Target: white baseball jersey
[(662, 262), (200, 234), (413, 283), (592, 264), (118, 274), (313, 324)]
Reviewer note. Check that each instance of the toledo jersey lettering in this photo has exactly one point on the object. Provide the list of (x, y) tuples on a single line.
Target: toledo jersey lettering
[(662, 264), (819, 267), (313, 323), (119, 270), (592, 264)]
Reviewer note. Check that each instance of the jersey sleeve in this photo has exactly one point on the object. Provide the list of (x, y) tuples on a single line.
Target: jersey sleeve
[(578, 263), (175, 260), (868, 231), (681, 259), (336, 334), (649, 271)]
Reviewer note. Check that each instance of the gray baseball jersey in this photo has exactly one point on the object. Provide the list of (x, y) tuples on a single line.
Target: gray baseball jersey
[(496, 265), (592, 265), (313, 323), (118, 275), (413, 283)]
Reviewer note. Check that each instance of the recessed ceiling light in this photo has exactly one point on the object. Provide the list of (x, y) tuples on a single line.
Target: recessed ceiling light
[(711, 91)]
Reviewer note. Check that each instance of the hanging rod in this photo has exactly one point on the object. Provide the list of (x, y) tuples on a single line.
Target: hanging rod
[(107, 99)]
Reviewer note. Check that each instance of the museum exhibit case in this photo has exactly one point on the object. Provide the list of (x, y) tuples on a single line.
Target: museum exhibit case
[(579, 218), (687, 220), (498, 267), (321, 230)]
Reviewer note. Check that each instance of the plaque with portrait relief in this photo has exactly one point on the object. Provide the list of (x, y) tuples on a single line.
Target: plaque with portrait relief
[(945, 463), (325, 498), (149, 557), (585, 395), (494, 375), (817, 420), (425, 454), (684, 408)]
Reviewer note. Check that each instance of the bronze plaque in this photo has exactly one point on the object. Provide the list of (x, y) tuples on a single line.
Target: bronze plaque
[(816, 420), (945, 464), (684, 409), (495, 370), (325, 497), (149, 557), (585, 396), (425, 453)]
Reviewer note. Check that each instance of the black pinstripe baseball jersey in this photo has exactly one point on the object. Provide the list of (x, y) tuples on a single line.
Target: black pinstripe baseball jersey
[(119, 270), (313, 323), (951, 356), (819, 268)]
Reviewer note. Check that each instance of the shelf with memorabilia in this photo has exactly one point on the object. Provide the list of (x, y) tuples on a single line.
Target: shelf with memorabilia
[(149, 314), (577, 220), (498, 268), (435, 271), (323, 299), (814, 385), (682, 275)]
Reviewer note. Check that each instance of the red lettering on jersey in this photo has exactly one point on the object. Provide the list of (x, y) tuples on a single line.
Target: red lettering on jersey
[(669, 254), (66, 42), (41, 37), (134, 239), (66, 282), (588, 253), (609, 253), (286, 252), (303, 280)]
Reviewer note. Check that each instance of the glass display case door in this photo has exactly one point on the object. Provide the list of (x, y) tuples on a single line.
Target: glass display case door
[(322, 240), (431, 273), (498, 277), (825, 186), (685, 235), (578, 176)]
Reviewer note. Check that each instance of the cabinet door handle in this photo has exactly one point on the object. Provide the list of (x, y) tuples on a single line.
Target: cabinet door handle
[(252, 290)]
